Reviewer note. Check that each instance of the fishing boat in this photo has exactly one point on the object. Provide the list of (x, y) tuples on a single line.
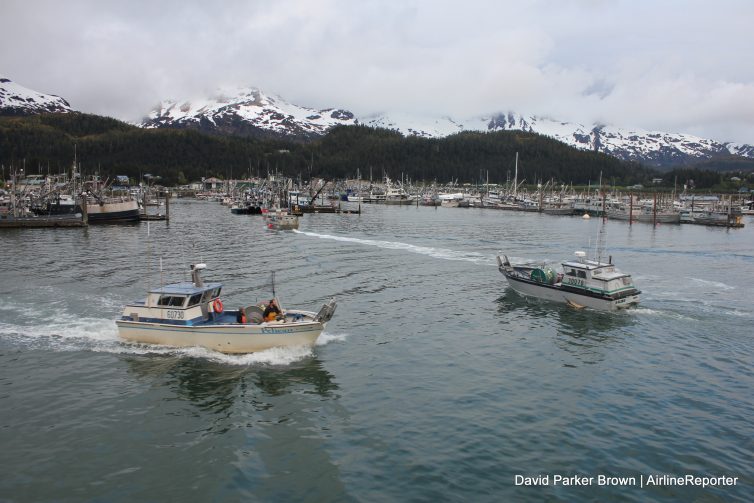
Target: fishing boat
[(645, 214), (192, 314), (581, 283), (281, 220), (105, 210)]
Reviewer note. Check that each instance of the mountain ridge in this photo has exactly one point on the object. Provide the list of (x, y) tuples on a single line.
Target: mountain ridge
[(250, 112), (17, 100)]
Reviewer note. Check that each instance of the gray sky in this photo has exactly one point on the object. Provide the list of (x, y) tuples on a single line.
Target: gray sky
[(677, 66)]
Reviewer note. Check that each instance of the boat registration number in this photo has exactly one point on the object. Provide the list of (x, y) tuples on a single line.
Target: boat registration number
[(576, 282), (277, 330), (175, 315)]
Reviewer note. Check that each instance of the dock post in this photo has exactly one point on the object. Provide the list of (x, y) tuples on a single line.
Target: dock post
[(654, 210), (630, 208), (167, 206), (84, 211)]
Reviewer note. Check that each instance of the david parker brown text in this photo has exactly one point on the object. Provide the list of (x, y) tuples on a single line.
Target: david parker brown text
[(604, 480)]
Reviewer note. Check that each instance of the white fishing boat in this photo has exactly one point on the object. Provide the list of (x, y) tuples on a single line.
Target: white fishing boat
[(281, 220), (192, 314), (396, 194), (644, 213), (581, 283)]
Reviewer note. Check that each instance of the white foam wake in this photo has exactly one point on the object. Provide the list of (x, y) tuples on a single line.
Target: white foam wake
[(75, 333), (440, 253), (715, 284)]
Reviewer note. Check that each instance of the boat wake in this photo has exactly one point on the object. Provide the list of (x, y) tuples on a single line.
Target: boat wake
[(718, 285), (440, 253), (75, 333)]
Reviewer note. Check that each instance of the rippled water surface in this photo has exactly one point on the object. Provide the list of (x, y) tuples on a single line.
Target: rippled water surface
[(434, 381)]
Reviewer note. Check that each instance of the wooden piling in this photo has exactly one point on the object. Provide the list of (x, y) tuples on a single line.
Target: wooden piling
[(630, 208), (84, 211), (654, 210)]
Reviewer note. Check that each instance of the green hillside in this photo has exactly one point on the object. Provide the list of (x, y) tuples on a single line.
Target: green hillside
[(109, 147)]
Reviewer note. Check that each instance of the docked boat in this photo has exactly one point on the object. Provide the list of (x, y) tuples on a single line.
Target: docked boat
[(581, 283), (100, 210), (192, 314), (396, 195), (240, 208), (734, 218), (644, 214), (106, 210)]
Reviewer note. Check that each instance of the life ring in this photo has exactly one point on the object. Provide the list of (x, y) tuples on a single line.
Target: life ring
[(217, 306)]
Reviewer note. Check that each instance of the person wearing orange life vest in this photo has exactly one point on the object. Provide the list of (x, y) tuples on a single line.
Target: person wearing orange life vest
[(241, 316), (272, 311)]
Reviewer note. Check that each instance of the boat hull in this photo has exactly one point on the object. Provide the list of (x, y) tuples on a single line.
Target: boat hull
[(113, 212), (226, 338), (556, 293), (663, 218)]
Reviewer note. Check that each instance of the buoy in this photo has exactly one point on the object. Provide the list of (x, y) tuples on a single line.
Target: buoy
[(586, 216)]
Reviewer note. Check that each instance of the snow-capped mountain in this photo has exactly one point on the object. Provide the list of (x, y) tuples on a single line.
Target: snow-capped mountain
[(649, 147), (16, 99), (247, 111), (251, 112)]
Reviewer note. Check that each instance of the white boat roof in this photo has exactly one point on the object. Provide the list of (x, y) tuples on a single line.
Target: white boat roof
[(586, 264), (186, 288), (591, 265)]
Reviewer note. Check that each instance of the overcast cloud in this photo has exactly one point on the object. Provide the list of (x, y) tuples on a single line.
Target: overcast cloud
[(678, 66)]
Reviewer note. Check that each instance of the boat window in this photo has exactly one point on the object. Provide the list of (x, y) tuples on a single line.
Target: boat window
[(571, 272), (582, 274), (177, 301), (195, 299), (216, 293), (171, 300)]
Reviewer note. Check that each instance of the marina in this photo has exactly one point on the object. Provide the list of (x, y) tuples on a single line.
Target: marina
[(436, 366), (346, 252)]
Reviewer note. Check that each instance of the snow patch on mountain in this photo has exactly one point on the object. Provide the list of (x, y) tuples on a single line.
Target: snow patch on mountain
[(249, 111), (16, 99), (247, 108), (651, 147)]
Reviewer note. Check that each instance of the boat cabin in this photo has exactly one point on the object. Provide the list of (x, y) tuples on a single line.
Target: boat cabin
[(595, 276), (179, 303), (183, 295)]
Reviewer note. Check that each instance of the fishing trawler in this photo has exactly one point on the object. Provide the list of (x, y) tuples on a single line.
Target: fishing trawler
[(582, 283), (192, 314), (281, 220)]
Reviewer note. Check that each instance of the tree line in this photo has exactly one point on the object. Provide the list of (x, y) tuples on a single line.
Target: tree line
[(50, 142)]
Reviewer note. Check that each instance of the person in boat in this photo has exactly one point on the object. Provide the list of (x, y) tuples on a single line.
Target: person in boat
[(272, 311), (241, 316)]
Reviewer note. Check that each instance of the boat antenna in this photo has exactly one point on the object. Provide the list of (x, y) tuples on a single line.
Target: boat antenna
[(601, 241), (149, 268)]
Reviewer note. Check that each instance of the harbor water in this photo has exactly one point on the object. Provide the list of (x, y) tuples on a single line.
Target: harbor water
[(433, 382)]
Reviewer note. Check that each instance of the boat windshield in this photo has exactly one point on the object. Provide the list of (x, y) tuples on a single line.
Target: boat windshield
[(171, 300), (195, 299), (211, 294)]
